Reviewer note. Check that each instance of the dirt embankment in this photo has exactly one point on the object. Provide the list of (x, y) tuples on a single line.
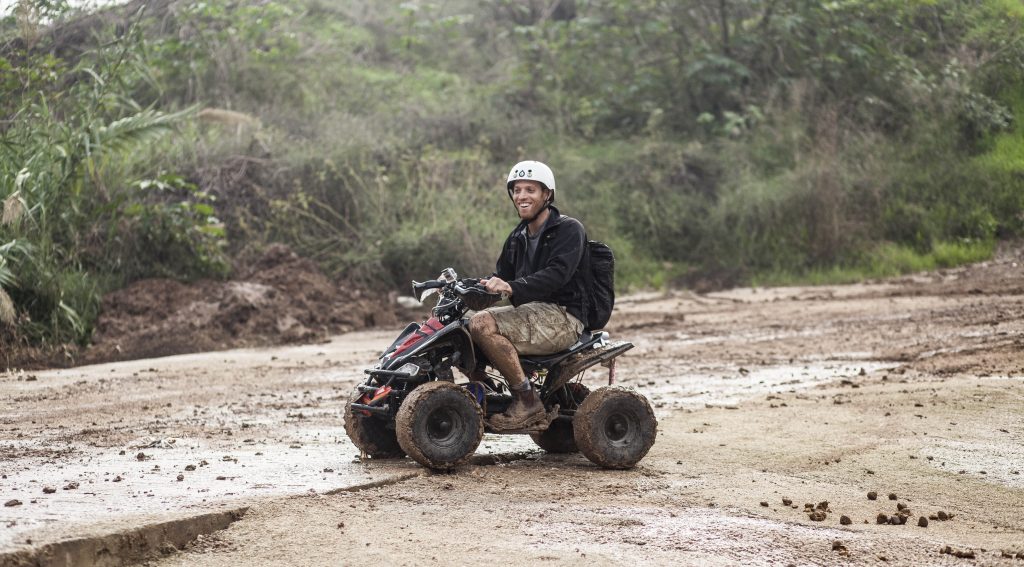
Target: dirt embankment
[(279, 299)]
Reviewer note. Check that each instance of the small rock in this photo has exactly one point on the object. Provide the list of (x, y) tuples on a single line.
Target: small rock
[(181, 477), (49, 490), (838, 546), (892, 496), (118, 478), (190, 467), (923, 522), (822, 506), (71, 486), (943, 516), (882, 519), (222, 478), (817, 516), (872, 495), (12, 503), (787, 502), (141, 456), (901, 506), (763, 503), (845, 520), (328, 470)]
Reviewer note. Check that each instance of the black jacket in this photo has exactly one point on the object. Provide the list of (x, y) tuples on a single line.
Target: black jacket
[(555, 276)]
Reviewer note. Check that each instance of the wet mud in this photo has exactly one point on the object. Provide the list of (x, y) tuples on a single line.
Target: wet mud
[(766, 399)]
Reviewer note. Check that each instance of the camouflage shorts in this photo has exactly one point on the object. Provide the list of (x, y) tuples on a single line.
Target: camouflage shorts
[(537, 328)]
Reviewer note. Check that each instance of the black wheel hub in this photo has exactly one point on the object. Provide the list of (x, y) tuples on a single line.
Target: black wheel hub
[(443, 427), (619, 429)]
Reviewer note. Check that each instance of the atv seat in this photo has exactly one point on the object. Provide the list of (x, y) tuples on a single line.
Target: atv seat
[(587, 338)]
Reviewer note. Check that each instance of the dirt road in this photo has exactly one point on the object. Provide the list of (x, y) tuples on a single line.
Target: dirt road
[(768, 400)]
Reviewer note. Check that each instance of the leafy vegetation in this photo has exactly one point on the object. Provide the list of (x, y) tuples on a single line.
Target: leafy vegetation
[(711, 143)]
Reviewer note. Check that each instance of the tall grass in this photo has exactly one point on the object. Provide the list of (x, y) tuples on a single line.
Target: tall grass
[(77, 215)]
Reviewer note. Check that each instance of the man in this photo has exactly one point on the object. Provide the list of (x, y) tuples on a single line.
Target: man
[(539, 272)]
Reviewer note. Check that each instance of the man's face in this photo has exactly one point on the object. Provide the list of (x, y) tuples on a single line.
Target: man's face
[(529, 197)]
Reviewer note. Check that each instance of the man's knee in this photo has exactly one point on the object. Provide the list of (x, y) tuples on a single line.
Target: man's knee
[(482, 324)]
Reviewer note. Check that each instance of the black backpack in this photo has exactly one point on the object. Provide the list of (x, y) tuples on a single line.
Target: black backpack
[(600, 279)]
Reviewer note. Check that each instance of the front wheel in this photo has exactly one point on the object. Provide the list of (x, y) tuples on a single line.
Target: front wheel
[(369, 434), (615, 427), (440, 425)]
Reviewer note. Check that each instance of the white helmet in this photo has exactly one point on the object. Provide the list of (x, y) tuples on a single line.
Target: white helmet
[(531, 171)]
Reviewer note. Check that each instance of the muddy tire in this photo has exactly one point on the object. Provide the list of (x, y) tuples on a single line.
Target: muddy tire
[(371, 435), (615, 427), (559, 436), (440, 425)]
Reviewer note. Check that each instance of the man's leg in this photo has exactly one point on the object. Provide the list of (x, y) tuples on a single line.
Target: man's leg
[(526, 406), (498, 349)]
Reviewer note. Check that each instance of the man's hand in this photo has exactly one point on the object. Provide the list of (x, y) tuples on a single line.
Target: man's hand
[(497, 285)]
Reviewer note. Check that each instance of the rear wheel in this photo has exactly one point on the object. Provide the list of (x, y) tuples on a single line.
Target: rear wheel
[(615, 427), (369, 434), (559, 437), (440, 425)]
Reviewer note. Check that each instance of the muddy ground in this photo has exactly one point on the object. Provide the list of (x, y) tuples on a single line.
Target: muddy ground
[(768, 400)]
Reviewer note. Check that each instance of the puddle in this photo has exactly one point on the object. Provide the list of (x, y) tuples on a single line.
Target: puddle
[(1001, 463), (112, 485), (714, 536), (728, 385)]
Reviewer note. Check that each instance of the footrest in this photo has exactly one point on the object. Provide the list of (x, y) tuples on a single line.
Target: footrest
[(536, 427)]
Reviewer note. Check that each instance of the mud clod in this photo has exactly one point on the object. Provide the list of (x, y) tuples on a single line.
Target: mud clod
[(922, 522), (961, 553), (872, 495), (845, 520)]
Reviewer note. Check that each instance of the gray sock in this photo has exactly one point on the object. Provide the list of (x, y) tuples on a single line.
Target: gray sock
[(524, 387)]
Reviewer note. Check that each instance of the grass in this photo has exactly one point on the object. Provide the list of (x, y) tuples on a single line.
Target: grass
[(887, 260)]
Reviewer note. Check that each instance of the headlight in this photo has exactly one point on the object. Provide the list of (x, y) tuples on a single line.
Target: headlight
[(410, 369)]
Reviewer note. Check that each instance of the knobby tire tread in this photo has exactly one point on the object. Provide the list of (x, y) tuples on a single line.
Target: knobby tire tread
[(405, 423), (588, 425)]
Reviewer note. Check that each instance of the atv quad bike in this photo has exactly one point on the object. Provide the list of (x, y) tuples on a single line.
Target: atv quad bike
[(409, 404)]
